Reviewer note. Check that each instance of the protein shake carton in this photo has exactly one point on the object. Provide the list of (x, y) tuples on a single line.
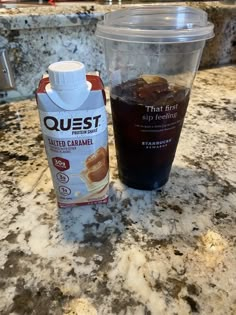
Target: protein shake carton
[(74, 125)]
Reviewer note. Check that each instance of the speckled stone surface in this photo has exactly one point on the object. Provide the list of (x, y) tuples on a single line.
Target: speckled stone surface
[(168, 253), (37, 36)]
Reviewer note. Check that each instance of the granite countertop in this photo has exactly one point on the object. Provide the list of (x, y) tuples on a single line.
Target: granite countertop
[(37, 35), (30, 15), (168, 253)]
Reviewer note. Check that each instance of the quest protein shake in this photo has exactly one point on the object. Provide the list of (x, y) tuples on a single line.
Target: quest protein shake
[(74, 125)]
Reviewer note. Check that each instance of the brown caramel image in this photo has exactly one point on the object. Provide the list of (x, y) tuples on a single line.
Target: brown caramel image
[(95, 174), (97, 165)]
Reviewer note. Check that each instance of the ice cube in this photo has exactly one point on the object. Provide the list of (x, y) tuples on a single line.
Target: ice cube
[(175, 95), (152, 87), (129, 89), (148, 78)]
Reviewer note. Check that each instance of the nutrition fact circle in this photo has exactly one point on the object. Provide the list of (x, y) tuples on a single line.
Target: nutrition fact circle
[(65, 191), (62, 178)]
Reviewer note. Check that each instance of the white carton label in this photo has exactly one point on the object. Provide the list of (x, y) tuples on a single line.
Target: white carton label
[(73, 124), (76, 143)]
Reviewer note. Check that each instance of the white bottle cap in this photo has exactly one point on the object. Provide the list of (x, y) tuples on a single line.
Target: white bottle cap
[(67, 75), (68, 87)]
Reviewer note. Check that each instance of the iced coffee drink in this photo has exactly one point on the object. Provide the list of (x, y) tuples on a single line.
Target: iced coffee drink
[(148, 114), (152, 55)]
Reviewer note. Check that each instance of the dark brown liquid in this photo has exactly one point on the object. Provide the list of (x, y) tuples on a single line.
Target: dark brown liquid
[(147, 122)]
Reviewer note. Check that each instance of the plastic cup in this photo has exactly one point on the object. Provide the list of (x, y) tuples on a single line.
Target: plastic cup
[(152, 54)]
